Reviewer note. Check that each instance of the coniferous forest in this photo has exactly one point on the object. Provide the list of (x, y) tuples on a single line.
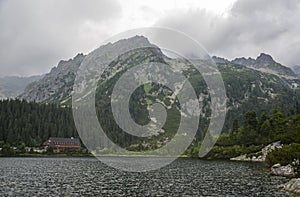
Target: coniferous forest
[(32, 123), (255, 132)]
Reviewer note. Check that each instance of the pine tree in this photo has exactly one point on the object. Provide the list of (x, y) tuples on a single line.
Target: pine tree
[(235, 126)]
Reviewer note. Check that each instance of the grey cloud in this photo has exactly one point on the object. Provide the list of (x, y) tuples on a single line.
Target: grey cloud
[(251, 27), (35, 35)]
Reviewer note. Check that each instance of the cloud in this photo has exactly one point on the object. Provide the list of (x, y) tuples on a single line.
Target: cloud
[(35, 35), (249, 27)]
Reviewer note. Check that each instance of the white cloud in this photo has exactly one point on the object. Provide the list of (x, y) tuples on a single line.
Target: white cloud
[(35, 35), (250, 27)]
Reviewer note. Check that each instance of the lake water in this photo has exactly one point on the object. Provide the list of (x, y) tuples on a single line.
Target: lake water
[(89, 177)]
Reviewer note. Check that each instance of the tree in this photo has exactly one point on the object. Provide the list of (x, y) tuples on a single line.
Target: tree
[(21, 148), (266, 131), (11, 136), (297, 108), (50, 150), (235, 126), (249, 130), (7, 150), (251, 122)]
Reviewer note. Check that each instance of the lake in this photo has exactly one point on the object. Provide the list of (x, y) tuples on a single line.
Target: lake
[(69, 176)]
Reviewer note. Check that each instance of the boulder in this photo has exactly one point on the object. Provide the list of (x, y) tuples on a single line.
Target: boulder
[(261, 155), (239, 158), (292, 186), (287, 171)]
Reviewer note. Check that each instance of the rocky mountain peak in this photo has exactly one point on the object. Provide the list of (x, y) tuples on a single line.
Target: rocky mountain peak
[(265, 58), (264, 62), (244, 61), (135, 41), (77, 58), (58, 84), (220, 60)]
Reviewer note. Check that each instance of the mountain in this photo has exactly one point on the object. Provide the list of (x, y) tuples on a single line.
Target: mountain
[(265, 63), (296, 69), (12, 86), (248, 87), (220, 60), (55, 85)]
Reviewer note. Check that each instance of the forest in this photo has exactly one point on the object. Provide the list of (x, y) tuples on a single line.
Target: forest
[(255, 132), (30, 124)]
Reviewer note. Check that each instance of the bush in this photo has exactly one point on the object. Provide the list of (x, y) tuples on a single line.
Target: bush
[(7, 151), (227, 152), (286, 155)]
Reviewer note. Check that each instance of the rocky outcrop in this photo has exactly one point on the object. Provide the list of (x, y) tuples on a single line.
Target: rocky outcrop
[(58, 84), (55, 85), (266, 150), (245, 158), (220, 60), (287, 171), (292, 186), (259, 156), (266, 63)]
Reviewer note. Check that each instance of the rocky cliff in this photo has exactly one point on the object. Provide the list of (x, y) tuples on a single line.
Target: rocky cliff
[(265, 63), (55, 85)]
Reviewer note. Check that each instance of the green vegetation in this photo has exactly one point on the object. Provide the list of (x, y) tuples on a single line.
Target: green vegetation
[(227, 152), (257, 132), (263, 130), (30, 124), (286, 155)]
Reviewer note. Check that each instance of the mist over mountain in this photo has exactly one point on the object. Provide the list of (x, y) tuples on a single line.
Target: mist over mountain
[(12, 86)]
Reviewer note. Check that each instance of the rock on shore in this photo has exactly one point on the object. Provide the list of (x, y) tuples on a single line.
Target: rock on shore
[(292, 186), (287, 171), (261, 155)]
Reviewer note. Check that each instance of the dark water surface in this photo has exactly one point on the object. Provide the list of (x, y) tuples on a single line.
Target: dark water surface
[(89, 177)]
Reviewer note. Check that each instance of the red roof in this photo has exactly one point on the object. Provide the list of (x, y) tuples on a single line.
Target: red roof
[(63, 142)]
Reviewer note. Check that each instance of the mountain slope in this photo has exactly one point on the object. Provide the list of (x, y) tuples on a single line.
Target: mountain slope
[(265, 63), (12, 86), (55, 85), (296, 69), (248, 88)]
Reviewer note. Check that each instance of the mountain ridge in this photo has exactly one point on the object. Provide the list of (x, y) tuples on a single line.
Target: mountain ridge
[(57, 84), (63, 75), (59, 78), (247, 88), (12, 86), (264, 63)]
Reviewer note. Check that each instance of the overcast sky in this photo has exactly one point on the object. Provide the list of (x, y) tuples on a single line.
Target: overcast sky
[(36, 35)]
